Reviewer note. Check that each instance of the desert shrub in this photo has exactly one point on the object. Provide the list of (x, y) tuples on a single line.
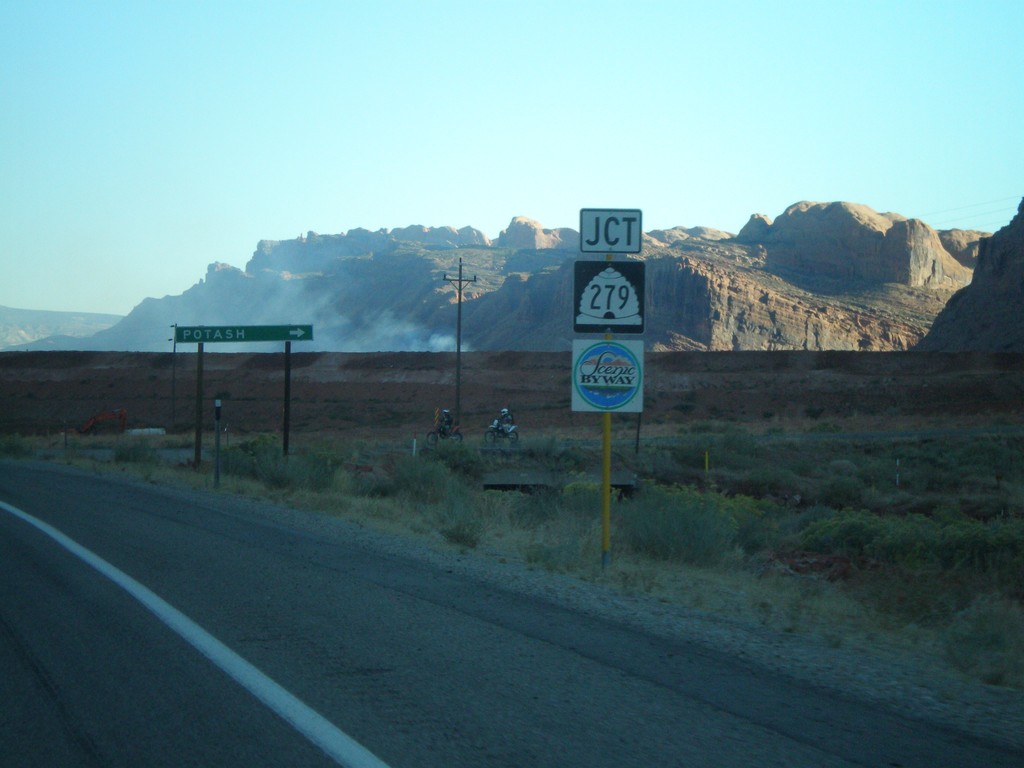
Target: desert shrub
[(735, 449), (984, 458), (660, 466), (994, 549), (791, 526), (235, 461), (557, 556), (528, 510), (690, 451), (842, 468), (135, 452), (242, 459), (841, 492), (769, 481), (549, 453), (756, 522), (421, 480), (986, 640), (850, 533), (982, 465), (311, 471), (263, 459), (581, 499), (270, 467), (676, 524), (458, 522), (14, 446), (459, 458)]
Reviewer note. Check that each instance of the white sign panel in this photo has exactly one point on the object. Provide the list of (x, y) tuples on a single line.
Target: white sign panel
[(604, 230), (608, 376)]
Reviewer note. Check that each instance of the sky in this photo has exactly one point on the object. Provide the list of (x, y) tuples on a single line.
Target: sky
[(141, 141)]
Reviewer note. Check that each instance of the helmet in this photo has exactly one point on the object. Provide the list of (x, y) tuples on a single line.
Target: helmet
[(444, 410), (504, 411)]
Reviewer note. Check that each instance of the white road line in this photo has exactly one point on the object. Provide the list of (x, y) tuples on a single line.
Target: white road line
[(341, 747)]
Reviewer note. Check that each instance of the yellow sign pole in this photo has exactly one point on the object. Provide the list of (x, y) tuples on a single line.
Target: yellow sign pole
[(606, 479), (606, 494)]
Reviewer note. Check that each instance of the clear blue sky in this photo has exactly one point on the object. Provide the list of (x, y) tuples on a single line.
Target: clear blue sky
[(142, 141)]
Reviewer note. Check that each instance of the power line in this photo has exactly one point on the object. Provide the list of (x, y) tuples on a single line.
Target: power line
[(972, 205), (992, 226), (989, 216)]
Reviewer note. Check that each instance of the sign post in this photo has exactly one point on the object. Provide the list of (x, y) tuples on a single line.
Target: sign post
[(608, 297), (234, 334), (216, 444), (199, 407)]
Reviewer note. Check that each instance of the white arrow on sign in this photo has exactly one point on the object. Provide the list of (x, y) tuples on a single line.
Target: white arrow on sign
[(297, 333)]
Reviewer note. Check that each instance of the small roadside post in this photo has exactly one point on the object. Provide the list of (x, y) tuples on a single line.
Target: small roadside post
[(216, 444), (608, 298)]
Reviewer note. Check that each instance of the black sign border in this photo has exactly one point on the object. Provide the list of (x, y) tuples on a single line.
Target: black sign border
[(633, 270)]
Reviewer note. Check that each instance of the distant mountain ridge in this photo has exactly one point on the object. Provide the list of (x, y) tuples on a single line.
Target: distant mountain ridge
[(820, 276), (24, 326)]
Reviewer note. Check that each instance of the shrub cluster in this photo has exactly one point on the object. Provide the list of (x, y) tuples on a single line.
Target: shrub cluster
[(135, 452), (14, 446), (263, 459), (994, 549), (684, 524)]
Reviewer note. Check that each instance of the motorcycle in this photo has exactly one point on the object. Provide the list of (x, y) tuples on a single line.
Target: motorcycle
[(439, 433), (498, 431)]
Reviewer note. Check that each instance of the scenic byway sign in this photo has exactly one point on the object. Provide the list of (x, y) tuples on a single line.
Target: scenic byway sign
[(242, 333), (608, 376), (608, 297), (603, 230)]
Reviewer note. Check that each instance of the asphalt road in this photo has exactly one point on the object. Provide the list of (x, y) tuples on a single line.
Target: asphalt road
[(197, 632)]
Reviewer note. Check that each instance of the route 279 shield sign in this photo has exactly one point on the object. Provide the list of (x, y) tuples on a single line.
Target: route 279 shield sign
[(608, 297), (608, 376)]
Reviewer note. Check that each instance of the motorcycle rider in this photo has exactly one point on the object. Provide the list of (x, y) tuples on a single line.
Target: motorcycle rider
[(445, 427), (505, 419)]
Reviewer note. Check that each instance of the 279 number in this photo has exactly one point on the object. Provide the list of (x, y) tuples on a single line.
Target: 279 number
[(611, 293)]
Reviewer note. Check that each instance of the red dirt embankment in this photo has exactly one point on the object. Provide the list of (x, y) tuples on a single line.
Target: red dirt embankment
[(396, 393)]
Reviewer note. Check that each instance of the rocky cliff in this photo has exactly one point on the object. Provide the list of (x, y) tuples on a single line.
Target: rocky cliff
[(695, 305), (821, 276), (823, 242), (986, 315), (527, 233)]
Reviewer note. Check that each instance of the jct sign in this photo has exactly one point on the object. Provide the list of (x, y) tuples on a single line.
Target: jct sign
[(603, 230), (608, 376)]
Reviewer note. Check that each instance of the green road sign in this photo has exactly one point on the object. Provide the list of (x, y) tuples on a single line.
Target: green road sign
[(242, 333)]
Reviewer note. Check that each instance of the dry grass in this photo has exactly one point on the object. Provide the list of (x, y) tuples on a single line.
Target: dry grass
[(932, 562)]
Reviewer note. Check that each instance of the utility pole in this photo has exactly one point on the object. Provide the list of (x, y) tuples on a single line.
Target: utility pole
[(458, 283), (174, 376)]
